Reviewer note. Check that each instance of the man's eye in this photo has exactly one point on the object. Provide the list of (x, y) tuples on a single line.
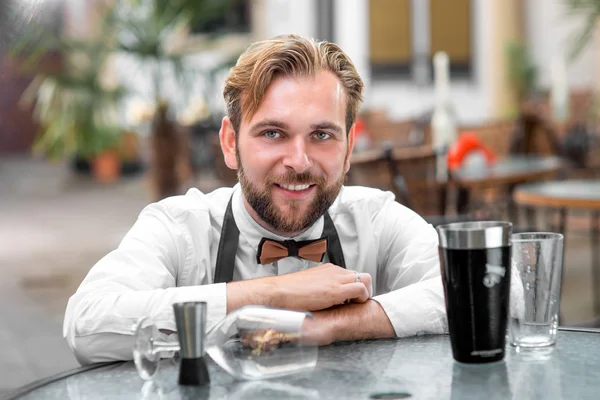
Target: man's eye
[(271, 134), (322, 135)]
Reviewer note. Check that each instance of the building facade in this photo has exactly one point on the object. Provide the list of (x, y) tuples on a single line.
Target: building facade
[(392, 42)]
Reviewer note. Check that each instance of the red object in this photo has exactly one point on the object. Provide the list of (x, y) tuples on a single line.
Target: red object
[(360, 128), (466, 143)]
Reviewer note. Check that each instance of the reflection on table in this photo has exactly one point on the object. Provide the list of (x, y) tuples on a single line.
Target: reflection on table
[(421, 367)]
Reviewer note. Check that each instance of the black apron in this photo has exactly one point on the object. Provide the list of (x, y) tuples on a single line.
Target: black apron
[(230, 235)]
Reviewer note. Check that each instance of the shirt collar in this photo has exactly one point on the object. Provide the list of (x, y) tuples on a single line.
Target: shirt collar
[(253, 232)]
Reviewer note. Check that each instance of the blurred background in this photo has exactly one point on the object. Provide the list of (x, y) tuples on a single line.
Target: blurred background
[(107, 105)]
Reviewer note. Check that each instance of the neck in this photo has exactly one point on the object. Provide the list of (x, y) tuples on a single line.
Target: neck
[(263, 224)]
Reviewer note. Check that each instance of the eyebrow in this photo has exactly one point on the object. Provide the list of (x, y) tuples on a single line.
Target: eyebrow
[(269, 123), (327, 126)]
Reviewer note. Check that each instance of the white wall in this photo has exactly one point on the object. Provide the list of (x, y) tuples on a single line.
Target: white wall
[(549, 29), (351, 33), (290, 16)]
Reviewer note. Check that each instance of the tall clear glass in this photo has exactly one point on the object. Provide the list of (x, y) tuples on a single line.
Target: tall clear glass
[(537, 260)]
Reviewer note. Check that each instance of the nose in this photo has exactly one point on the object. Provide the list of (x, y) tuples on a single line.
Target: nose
[(296, 156)]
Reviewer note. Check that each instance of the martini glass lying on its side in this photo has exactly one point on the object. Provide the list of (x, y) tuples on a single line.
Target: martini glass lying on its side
[(253, 342)]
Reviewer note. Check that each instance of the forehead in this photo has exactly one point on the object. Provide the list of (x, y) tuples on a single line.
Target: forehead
[(303, 98)]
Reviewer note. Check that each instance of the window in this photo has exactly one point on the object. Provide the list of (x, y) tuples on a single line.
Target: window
[(405, 34), (390, 37), (451, 32)]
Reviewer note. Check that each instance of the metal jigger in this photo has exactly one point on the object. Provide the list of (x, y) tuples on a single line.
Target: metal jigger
[(190, 318)]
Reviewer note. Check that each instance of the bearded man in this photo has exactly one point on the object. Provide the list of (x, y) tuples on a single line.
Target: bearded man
[(289, 235)]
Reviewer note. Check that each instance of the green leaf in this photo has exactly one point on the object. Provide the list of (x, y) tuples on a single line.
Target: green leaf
[(583, 38), (522, 72), (590, 10)]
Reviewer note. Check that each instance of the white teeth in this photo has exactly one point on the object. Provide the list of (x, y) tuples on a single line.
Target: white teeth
[(295, 187)]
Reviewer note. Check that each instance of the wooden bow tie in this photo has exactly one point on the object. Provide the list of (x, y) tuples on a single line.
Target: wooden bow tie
[(270, 250)]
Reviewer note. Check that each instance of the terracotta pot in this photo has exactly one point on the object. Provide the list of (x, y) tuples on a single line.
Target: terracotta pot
[(107, 166)]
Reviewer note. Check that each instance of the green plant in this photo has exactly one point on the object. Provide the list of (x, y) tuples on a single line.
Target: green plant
[(522, 72), (75, 109), (76, 115), (154, 32), (590, 10), (78, 112)]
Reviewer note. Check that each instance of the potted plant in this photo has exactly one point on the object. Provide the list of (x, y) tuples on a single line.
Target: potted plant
[(75, 106), (77, 112)]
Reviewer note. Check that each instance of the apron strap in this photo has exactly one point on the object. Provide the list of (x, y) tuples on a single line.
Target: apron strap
[(334, 246), (228, 244)]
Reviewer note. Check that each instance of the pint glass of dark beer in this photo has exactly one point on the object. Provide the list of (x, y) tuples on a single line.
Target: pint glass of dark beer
[(475, 261)]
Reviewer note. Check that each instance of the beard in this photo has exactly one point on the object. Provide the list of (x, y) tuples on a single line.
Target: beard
[(296, 220)]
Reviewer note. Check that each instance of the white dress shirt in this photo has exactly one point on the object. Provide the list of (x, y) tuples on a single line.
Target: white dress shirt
[(169, 256)]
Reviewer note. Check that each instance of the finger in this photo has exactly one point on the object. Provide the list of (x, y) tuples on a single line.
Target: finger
[(366, 280), (350, 276), (361, 277), (356, 292)]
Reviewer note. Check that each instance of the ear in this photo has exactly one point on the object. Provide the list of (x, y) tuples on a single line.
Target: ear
[(351, 137), (227, 139)]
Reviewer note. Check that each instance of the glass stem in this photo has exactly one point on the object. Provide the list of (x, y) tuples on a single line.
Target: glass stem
[(160, 346)]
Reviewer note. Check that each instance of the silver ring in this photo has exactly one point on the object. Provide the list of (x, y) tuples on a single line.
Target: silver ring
[(357, 276)]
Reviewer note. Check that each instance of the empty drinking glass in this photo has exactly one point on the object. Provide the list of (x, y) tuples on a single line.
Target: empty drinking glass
[(535, 292)]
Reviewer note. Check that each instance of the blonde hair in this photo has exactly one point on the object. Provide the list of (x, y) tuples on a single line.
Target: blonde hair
[(287, 55)]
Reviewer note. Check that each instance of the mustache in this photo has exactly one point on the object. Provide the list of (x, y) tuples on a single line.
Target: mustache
[(292, 178)]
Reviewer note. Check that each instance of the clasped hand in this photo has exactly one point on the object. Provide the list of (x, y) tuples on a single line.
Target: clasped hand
[(321, 287)]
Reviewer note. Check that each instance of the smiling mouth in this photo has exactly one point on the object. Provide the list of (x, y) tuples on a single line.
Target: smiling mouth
[(294, 188)]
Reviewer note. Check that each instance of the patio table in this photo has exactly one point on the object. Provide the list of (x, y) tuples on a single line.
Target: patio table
[(419, 367), (508, 172), (372, 167)]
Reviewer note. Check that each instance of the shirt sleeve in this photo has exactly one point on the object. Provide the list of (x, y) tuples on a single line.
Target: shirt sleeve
[(136, 280), (409, 269)]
